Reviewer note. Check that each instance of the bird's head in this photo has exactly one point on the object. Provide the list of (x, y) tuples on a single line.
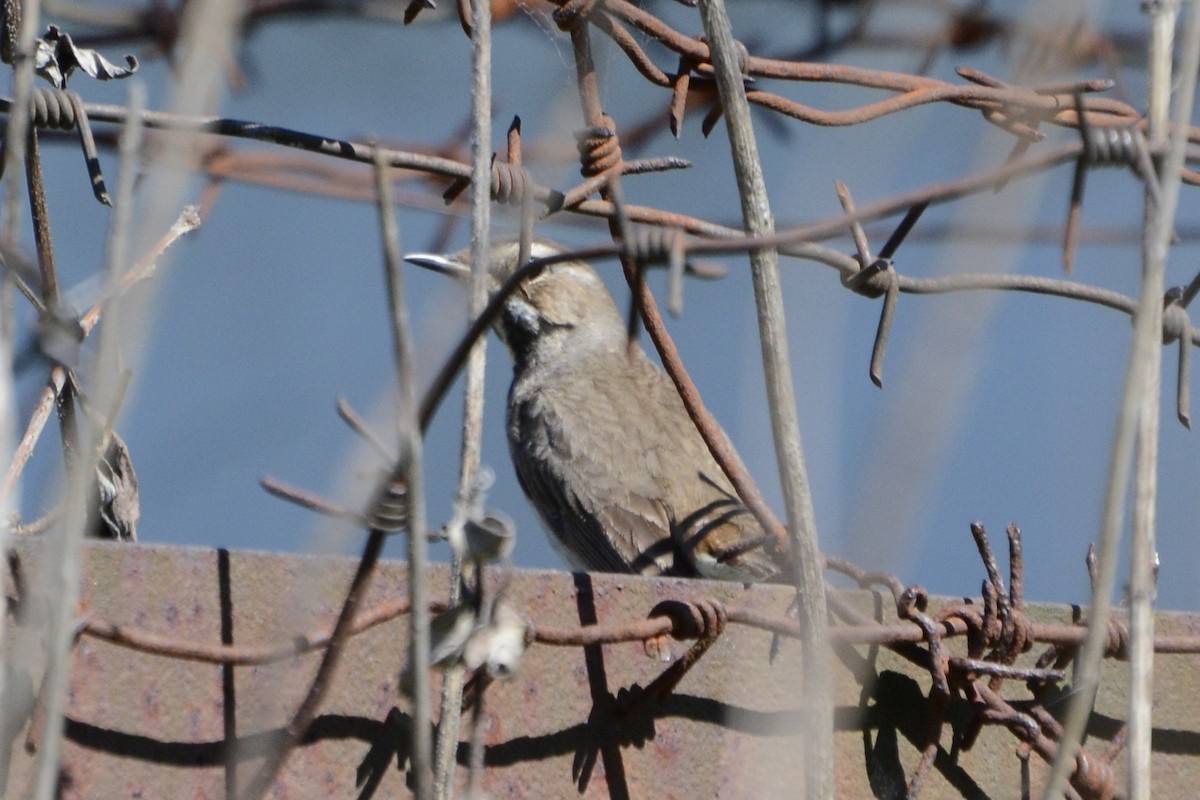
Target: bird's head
[(565, 300)]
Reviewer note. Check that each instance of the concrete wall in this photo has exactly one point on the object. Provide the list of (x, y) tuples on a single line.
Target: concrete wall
[(140, 725)]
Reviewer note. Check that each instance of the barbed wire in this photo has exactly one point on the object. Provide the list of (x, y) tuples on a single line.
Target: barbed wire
[(995, 627)]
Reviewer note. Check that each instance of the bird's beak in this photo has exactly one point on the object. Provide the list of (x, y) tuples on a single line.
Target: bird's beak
[(439, 263)]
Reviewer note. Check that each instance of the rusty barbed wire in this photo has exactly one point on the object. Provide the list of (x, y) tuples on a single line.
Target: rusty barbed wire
[(1125, 146), (964, 29), (62, 109), (574, 199), (995, 627), (679, 619), (308, 174), (910, 603), (912, 90), (1050, 97)]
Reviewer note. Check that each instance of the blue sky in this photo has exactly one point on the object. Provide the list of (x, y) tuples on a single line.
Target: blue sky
[(995, 407)]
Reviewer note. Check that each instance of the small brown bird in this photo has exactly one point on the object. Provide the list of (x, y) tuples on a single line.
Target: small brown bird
[(600, 439)]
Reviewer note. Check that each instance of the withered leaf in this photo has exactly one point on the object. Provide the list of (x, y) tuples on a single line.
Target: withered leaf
[(57, 57)]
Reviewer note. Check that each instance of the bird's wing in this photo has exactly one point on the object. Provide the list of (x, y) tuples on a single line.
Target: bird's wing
[(608, 519), (595, 535), (711, 527)]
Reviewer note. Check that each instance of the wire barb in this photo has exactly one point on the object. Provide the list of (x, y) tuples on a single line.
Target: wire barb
[(1177, 327), (1123, 145), (63, 110), (508, 183), (599, 148)]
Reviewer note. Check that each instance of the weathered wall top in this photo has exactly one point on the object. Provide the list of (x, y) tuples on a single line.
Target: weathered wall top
[(573, 721)]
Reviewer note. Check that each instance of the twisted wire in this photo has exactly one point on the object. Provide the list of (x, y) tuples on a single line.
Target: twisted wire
[(509, 183), (599, 149), (53, 108), (1112, 146), (572, 13), (874, 280), (1092, 777), (743, 57), (652, 245), (1176, 323), (1116, 643), (389, 512), (63, 110)]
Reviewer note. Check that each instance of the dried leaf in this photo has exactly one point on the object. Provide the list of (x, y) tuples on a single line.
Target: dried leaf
[(118, 506), (498, 645), (57, 57)]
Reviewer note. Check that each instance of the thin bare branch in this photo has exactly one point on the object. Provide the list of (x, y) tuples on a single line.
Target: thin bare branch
[(411, 469), (781, 402), (1134, 420)]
